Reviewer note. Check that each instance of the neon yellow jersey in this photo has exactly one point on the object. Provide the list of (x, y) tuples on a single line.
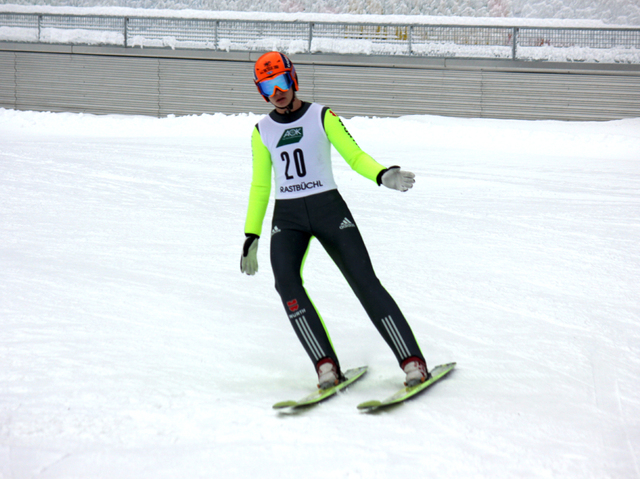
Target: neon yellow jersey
[(336, 134)]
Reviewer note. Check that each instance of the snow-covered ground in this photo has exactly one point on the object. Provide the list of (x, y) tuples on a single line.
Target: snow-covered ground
[(312, 16), (609, 11), (132, 347)]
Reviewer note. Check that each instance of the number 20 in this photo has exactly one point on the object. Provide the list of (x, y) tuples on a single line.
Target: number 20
[(298, 159)]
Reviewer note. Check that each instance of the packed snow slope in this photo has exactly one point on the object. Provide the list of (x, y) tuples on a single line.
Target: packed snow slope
[(132, 347)]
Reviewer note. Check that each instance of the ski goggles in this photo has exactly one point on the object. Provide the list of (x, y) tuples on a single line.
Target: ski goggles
[(281, 82)]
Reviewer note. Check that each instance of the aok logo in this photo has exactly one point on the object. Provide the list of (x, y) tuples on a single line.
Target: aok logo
[(292, 135)]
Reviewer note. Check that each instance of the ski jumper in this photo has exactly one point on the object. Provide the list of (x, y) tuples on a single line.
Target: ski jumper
[(297, 147)]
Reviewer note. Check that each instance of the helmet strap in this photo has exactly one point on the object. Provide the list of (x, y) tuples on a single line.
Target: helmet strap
[(289, 107)]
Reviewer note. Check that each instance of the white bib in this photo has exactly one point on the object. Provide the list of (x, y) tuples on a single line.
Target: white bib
[(300, 154)]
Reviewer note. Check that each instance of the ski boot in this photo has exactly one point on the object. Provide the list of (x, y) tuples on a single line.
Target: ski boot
[(416, 371), (328, 373)]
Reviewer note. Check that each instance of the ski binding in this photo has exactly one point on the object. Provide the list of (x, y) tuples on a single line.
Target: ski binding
[(351, 376), (405, 393)]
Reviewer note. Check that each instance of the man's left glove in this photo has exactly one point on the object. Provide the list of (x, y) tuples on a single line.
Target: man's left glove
[(249, 259), (396, 179)]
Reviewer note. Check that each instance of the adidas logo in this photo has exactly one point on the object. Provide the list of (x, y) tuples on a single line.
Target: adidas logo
[(346, 224), (275, 230)]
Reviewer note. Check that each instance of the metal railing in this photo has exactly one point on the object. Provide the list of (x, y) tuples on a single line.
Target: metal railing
[(468, 41)]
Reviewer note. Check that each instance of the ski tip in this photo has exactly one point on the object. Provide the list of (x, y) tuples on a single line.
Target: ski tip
[(443, 367), (369, 404), (356, 371), (284, 404)]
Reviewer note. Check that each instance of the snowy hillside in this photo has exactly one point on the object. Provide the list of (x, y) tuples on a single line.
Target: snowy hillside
[(610, 11), (132, 347)]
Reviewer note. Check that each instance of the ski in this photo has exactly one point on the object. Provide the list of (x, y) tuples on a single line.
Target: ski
[(351, 376), (437, 373)]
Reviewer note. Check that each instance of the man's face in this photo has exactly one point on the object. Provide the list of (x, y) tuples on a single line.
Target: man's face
[(281, 99)]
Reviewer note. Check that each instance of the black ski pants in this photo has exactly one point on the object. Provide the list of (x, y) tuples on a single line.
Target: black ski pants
[(327, 217)]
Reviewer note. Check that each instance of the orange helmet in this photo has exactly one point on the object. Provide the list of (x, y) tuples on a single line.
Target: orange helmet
[(270, 66)]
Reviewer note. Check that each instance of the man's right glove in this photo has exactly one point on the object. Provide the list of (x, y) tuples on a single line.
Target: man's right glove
[(249, 259), (396, 179)]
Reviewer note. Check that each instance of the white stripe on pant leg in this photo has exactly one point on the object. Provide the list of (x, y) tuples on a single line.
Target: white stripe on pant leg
[(395, 327), (392, 337), (305, 335), (399, 343), (307, 340), (310, 339), (313, 338)]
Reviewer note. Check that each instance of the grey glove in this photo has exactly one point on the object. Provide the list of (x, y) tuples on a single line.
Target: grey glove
[(397, 179), (249, 259)]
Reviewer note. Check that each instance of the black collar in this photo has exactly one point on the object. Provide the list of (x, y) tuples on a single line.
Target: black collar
[(291, 117)]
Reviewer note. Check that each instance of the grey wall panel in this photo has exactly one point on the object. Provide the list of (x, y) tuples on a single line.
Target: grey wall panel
[(7, 80), (376, 91), (201, 86), (86, 83), (160, 82), (560, 95)]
